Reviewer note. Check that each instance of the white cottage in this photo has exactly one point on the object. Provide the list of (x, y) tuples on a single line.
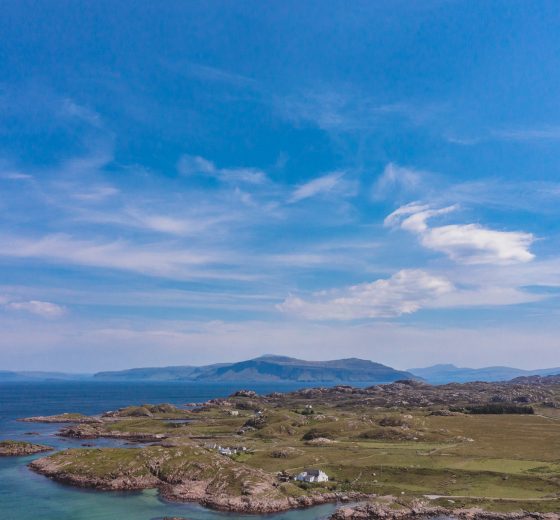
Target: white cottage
[(312, 475)]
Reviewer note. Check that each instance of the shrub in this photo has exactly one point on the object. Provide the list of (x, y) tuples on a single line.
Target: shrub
[(392, 420), (315, 433), (496, 409)]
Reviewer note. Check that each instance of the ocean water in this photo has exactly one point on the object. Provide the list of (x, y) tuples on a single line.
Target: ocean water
[(25, 495)]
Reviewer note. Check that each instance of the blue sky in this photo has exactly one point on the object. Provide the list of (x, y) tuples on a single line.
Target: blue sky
[(193, 182)]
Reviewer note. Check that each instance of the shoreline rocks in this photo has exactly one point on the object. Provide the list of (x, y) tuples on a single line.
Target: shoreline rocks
[(245, 504), (374, 511)]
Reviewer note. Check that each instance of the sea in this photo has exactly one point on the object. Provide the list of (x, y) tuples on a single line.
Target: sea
[(24, 495)]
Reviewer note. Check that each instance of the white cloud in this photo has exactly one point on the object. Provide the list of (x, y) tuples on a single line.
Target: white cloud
[(464, 243), (196, 165), (405, 292), (45, 309), (317, 186), (398, 180)]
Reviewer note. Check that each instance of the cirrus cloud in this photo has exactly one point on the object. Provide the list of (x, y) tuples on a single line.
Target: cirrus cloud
[(196, 165), (316, 186)]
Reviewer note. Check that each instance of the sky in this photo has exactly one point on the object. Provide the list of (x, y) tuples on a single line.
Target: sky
[(197, 182)]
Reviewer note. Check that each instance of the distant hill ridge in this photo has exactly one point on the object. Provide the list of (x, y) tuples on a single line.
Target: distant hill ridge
[(269, 368), (447, 373), (274, 368)]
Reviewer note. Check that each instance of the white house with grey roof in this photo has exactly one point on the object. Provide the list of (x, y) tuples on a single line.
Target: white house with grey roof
[(312, 475)]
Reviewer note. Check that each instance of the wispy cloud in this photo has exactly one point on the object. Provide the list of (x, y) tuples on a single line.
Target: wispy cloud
[(173, 223), (317, 186), (15, 176), (45, 309), (196, 165), (399, 181), (96, 193), (545, 133), (345, 110), (465, 243), (154, 259), (69, 108), (529, 134), (208, 73)]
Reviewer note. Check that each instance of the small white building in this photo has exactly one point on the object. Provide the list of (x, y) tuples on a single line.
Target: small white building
[(312, 475), (227, 451)]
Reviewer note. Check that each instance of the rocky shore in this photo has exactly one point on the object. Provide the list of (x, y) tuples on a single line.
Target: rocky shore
[(20, 448), (247, 504), (420, 511)]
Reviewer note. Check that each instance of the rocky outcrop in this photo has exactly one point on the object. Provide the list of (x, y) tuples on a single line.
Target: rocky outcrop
[(421, 511), (93, 431), (416, 394), (63, 418), (19, 448), (124, 482)]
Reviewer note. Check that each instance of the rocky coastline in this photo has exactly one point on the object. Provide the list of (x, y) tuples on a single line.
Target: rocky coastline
[(421, 511), (94, 431), (195, 492)]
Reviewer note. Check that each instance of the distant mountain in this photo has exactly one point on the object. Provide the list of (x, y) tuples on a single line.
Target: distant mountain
[(7, 375), (441, 374), (268, 369)]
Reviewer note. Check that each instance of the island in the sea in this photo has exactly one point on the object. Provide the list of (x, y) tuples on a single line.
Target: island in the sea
[(21, 448), (404, 449)]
